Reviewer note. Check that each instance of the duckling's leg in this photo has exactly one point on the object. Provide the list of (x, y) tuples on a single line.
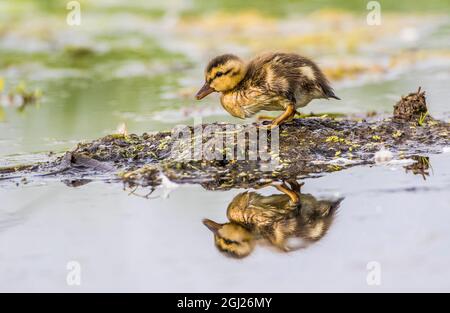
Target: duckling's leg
[(291, 194), (290, 112), (295, 186)]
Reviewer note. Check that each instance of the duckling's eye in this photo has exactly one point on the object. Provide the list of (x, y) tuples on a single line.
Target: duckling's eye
[(219, 74), (229, 241)]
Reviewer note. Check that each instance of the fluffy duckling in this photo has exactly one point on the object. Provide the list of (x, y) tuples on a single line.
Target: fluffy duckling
[(280, 219), (271, 82)]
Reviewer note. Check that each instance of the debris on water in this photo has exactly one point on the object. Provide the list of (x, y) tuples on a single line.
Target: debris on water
[(339, 162), (122, 129), (19, 97), (412, 107), (421, 166), (167, 185), (383, 156)]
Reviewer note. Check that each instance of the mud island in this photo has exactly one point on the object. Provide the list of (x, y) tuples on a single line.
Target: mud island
[(307, 146)]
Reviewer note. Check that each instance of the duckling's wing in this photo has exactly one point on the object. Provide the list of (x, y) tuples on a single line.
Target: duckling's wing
[(312, 79), (295, 77), (267, 73)]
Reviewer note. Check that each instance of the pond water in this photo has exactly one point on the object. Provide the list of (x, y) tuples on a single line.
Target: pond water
[(128, 243), (144, 74)]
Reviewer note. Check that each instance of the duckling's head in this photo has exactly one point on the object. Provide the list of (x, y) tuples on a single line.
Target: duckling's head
[(222, 74), (231, 238)]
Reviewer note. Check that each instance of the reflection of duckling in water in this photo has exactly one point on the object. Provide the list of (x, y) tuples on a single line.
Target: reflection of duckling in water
[(278, 219)]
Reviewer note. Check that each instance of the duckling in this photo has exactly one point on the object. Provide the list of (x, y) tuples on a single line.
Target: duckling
[(271, 82), (278, 219)]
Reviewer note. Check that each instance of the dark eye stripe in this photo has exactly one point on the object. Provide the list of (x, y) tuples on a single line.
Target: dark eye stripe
[(227, 72), (229, 241), (218, 74)]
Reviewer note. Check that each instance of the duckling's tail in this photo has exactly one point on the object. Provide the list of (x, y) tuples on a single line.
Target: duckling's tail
[(327, 90), (329, 93), (334, 97)]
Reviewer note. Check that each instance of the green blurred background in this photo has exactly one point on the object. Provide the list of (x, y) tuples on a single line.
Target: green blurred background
[(139, 63)]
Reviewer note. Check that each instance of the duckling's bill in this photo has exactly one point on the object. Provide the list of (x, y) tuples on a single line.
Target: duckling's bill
[(212, 226), (204, 91)]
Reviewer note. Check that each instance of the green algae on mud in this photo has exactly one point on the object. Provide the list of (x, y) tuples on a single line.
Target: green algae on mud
[(306, 147)]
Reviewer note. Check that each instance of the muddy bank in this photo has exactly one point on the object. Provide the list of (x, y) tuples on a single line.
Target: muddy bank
[(222, 156)]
